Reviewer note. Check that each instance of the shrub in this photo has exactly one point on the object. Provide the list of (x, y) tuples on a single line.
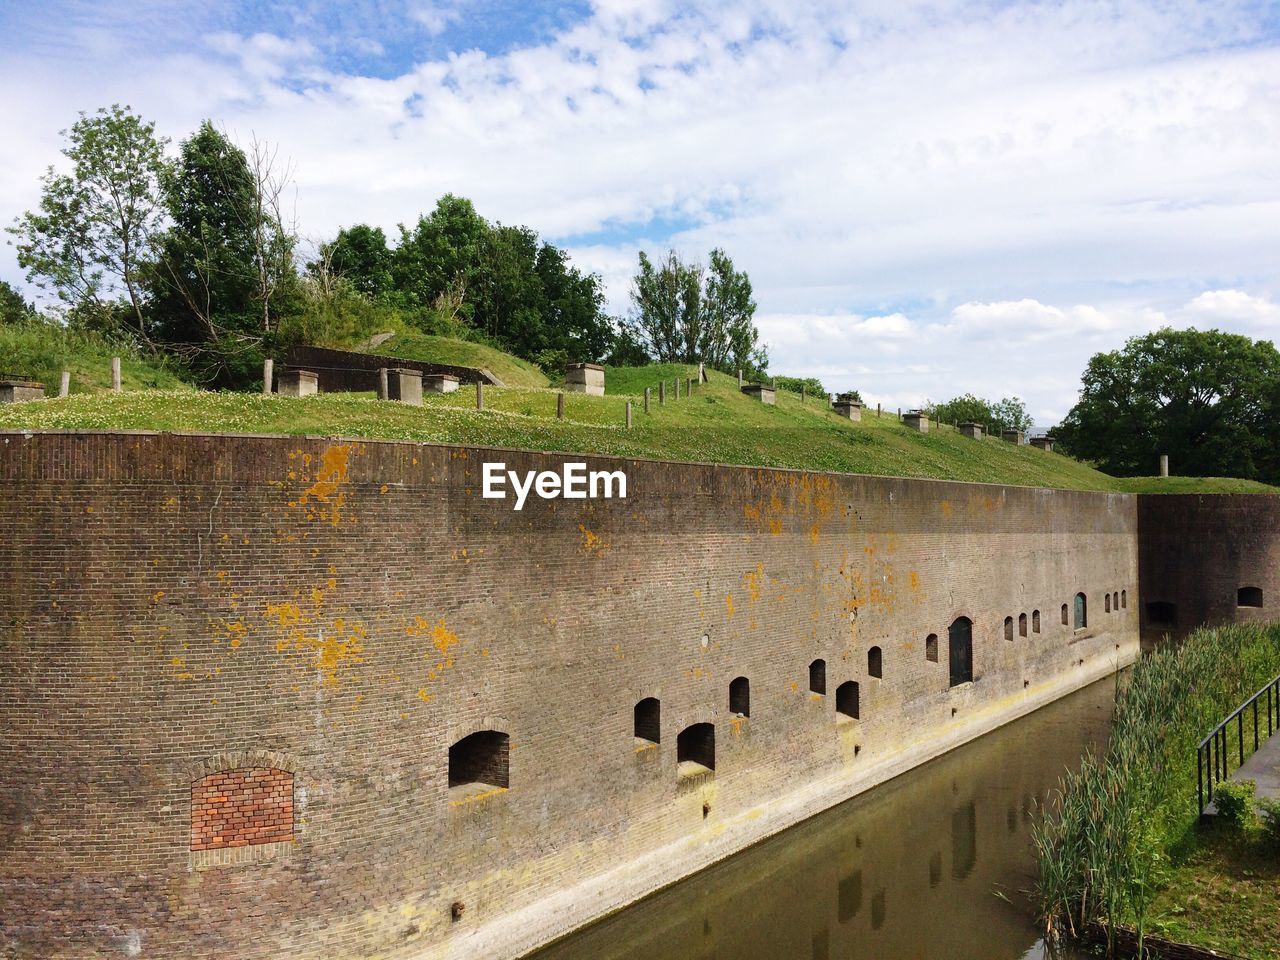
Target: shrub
[(1271, 821), (1234, 800)]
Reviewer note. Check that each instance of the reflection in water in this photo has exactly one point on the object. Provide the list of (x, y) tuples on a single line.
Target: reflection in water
[(941, 842)]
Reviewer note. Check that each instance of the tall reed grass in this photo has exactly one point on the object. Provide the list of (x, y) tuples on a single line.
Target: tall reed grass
[(1105, 840)]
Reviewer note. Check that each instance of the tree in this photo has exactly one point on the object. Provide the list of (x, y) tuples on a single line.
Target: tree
[(361, 255), (13, 308), (1207, 399), (95, 229), (1009, 413), (443, 248), (221, 267), (685, 314)]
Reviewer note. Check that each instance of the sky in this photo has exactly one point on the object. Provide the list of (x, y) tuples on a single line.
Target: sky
[(929, 198)]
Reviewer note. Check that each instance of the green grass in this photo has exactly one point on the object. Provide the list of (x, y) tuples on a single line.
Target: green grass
[(43, 351), (1191, 485), (1223, 896), (718, 424), (512, 371)]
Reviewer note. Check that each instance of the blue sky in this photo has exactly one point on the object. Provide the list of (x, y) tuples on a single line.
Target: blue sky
[(930, 198)]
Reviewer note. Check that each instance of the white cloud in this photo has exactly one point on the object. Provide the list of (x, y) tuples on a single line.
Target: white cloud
[(1235, 308)]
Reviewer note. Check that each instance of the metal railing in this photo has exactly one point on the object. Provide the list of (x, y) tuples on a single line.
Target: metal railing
[(1213, 755)]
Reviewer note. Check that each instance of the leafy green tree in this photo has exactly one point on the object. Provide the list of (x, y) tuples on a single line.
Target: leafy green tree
[(359, 254), (812, 386), (684, 314), (1206, 398), (1010, 413), (96, 226), (224, 269), (443, 248), (13, 308)]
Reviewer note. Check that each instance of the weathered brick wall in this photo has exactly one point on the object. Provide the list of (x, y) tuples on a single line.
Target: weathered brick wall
[(177, 606), (240, 808), (1197, 551)]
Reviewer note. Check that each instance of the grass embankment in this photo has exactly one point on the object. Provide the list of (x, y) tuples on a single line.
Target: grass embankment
[(718, 424), (512, 371), (42, 351), (1125, 823)]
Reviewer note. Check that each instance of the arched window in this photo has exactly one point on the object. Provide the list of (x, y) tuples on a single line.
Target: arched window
[(818, 677), (1115, 601), (1022, 624), (740, 696), (480, 760), (1249, 597), (696, 749), (1065, 621), (875, 662), (1008, 628), (648, 721), (1082, 611), (1161, 614), (1035, 621), (1124, 599), (847, 699), (931, 648), (1106, 603), (241, 808), (960, 644)]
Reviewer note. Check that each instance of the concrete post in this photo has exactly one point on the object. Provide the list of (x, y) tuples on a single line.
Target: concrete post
[(267, 365), (65, 389), (877, 409), (899, 413), (646, 399), (384, 389), (115, 374), (702, 373), (662, 392), (628, 414), (559, 406), (1164, 464), (688, 387), (739, 379), (479, 395)]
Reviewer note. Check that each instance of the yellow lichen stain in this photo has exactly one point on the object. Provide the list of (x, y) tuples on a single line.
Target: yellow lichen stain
[(155, 597), (334, 463), (88, 509), (946, 508), (383, 489), (751, 579), (591, 542), (915, 580), (775, 526), (728, 605), (423, 695), (794, 686), (180, 669), (236, 632), (815, 531), (478, 797)]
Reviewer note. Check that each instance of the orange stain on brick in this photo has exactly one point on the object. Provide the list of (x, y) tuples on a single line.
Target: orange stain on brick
[(330, 476)]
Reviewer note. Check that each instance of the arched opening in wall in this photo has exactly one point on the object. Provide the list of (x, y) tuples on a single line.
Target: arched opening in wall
[(1008, 628), (740, 696), (1035, 621), (818, 677), (1161, 614), (849, 900), (480, 761), (1082, 611), (1124, 599), (847, 700), (875, 662), (931, 648), (1106, 603), (960, 644), (1115, 601), (1065, 620), (1249, 597), (696, 749), (241, 808), (648, 721), (1022, 624)]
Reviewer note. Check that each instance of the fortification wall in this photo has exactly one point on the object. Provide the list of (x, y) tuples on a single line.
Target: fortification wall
[(1208, 559), (193, 626)]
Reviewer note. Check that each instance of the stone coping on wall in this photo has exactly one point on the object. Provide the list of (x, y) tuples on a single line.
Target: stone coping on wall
[(7, 432)]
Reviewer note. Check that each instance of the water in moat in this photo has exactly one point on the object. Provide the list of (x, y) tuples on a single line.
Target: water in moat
[(934, 865)]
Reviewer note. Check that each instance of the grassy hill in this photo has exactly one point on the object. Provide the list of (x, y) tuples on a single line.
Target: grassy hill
[(717, 424), (43, 351), (512, 371)]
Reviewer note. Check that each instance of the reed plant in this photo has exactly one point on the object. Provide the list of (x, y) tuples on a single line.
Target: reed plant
[(1105, 840)]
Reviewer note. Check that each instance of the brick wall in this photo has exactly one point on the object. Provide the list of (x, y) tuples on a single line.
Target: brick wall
[(176, 606), (240, 808)]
